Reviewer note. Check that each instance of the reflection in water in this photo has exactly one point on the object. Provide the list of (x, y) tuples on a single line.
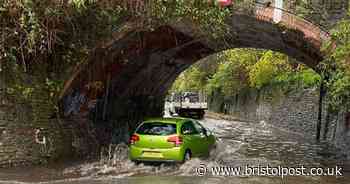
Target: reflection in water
[(239, 143)]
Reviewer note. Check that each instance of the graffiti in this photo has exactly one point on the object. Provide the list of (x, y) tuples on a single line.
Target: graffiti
[(83, 101), (46, 146), (39, 139), (73, 103)]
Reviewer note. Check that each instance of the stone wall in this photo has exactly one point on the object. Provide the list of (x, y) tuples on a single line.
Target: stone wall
[(342, 133), (296, 111), (33, 132), (30, 133), (29, 136)]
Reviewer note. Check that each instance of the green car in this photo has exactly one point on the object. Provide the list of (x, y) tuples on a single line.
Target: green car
[(170, 139)]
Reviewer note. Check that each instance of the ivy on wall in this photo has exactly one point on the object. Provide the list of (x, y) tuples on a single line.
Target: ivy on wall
[(42, 40)]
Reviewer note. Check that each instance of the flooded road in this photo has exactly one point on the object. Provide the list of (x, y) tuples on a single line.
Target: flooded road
[(239, 144)]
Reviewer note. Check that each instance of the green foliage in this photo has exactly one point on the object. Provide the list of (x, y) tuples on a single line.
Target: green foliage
[(275, 70), (316, 12), (192, 79), (309, 78), (54, 36), (209, 17), (340, 90), (42, 40), (232, 74), (337, 66), (241, 70), (342, 36), (269, 66)]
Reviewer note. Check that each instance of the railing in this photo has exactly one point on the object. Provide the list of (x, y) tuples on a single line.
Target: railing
[(313, 32)]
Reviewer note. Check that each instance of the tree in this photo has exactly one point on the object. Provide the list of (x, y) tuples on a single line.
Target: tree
[(191, 80), (338, 63), (232, 74), (267, 69), (241, 69)]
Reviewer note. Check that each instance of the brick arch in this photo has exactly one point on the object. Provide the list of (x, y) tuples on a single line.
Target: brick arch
[(131, 73)]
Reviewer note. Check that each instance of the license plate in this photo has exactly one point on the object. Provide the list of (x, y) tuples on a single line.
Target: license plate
[(151, 154)]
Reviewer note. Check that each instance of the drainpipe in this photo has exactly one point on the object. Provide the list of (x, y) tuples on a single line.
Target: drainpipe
[(323, 92), (105, 105), (319, 120)]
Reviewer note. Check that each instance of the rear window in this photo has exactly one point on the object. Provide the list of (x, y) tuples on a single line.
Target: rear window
[(157, 128)]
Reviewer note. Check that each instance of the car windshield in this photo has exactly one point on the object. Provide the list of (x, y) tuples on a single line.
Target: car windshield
[(157, 128)]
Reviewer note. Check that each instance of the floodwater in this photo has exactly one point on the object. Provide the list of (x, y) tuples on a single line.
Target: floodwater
[(239, 144)]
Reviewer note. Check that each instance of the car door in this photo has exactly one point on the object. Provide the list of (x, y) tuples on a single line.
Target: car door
[(191, 138), (203, 137)]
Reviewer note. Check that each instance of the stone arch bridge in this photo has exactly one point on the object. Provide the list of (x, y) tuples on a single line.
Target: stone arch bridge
[(127, 77), (131, 73)]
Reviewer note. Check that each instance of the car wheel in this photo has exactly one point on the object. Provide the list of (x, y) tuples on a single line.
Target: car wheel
[(187, 155), (214, 146)]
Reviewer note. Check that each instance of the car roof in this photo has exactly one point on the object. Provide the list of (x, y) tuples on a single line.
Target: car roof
[(166, 120)]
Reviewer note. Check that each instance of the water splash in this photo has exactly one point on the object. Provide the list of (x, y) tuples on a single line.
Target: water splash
[(238, 144)]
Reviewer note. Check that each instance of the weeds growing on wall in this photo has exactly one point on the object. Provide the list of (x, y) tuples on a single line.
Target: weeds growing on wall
[(43, 40)]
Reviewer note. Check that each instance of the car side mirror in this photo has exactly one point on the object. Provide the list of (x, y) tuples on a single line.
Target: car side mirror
[(205, 132)]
